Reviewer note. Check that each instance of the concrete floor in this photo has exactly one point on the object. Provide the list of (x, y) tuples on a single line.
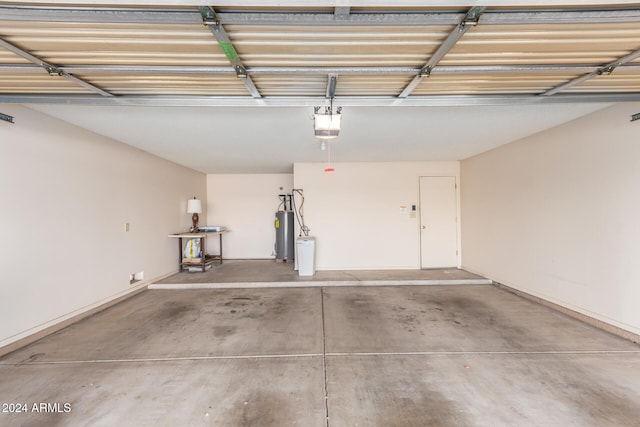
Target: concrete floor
[(464, 355)]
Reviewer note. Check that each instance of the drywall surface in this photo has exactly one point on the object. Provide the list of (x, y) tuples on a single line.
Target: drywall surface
[(556, 215), (246, 204), (66, 196), (356, 213)]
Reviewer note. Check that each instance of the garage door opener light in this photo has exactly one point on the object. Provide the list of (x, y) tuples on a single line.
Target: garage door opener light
[(326, 124)]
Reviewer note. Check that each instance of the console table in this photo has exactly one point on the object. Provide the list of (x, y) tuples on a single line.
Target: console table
[(205, 259)]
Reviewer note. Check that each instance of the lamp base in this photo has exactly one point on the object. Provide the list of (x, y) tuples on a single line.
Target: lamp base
[(194, 219)]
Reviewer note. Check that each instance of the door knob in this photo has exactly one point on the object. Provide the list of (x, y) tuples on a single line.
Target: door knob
[(424, 227)]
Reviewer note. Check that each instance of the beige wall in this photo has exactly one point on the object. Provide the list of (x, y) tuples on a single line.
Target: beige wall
[(557, 215), (66, 195), (246, 204), (355, 216)]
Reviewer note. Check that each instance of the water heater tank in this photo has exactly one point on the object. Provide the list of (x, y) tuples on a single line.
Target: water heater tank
[(285, 242)]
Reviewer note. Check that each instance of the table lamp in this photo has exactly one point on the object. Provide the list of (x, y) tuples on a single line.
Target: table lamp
[(194, 206)]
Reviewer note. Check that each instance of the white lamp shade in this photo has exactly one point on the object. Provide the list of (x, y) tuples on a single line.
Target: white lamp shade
[(194, 206), (327, 126)]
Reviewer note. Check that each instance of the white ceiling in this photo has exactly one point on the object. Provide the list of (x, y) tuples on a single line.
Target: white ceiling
[(271, 139)]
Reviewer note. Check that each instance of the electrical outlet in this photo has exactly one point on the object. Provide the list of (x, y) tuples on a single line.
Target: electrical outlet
[(136, 277)]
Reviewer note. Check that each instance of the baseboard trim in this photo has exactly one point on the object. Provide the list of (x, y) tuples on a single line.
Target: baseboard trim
[(76, 316), (607, 327)]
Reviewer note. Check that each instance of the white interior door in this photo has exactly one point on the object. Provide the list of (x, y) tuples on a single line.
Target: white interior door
[(438, 222)]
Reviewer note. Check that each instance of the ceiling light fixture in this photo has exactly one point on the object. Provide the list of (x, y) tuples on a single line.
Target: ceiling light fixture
[(326, 124)]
